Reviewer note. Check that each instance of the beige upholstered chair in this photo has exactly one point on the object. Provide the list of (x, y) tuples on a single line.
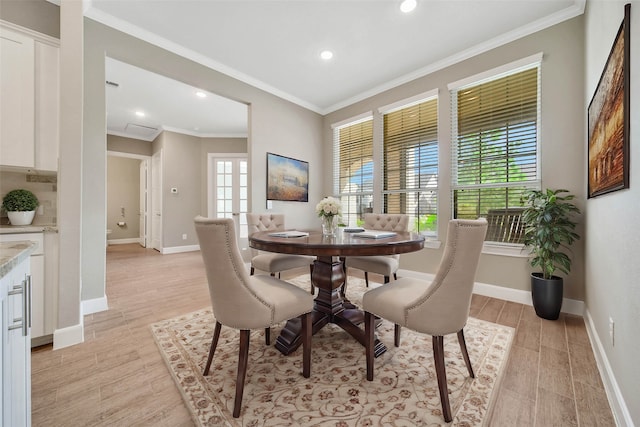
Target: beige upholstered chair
[(272, 262), (247, 302), (437, 308), (385, 265)]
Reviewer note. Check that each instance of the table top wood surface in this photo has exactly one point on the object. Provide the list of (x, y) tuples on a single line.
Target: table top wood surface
[(342, 244)]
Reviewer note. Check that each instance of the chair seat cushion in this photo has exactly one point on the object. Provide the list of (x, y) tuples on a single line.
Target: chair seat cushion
[(272, 262), (392, 300), (288, 301), (379, 264)]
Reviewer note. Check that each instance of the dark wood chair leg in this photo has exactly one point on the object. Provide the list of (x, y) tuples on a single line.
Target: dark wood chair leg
[(396, 334), (441, 373), (273, 274), (386, 279), (243, 358), (366, 278), (465, 353), (395, 277), (313, 288), (267, 336), (369, 330), (212, 349), (306, 345), (253, 270)]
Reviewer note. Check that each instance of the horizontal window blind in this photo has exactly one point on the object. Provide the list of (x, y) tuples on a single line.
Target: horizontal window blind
[(410, 163), (354, 168), (495, 143)]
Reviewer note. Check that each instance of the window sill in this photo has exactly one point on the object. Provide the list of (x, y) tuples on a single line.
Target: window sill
[(505, 249), (432, 243)]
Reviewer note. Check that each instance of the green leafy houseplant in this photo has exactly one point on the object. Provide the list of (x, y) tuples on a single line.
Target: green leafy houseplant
[(549, 229), (20, 201)]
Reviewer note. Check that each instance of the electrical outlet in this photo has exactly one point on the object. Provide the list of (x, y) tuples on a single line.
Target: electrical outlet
[(184, 237), (612, 330)]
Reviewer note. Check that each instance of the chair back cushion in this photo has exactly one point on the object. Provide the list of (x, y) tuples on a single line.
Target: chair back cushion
[(388, 222), (233, 301), (444, 307), (263, 222)]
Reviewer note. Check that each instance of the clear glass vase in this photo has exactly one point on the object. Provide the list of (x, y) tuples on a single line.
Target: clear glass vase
[(329, 225)]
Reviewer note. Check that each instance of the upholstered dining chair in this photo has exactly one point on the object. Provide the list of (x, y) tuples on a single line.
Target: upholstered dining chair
[(247, 302), (439, 307), (385, 265), (270, 262)]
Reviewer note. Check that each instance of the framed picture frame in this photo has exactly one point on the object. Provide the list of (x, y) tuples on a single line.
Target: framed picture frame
[(608, 119), (287, 179)]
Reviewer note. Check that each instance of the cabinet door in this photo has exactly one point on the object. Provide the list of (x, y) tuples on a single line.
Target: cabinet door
[(47, 96), (17, 100), (17, 357)]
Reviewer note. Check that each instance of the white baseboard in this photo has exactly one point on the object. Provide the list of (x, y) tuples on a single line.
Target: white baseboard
[(94, 305), (178, 249), (69, 336), (123, 241), (616, 400), (569, 306)]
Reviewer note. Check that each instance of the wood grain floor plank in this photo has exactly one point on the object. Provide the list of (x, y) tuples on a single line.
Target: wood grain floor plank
[(491, 310), (512, 410), (555, 372), (510, 315)]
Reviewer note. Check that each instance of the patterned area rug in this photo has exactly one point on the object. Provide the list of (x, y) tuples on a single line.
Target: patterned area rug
[(404, 391)]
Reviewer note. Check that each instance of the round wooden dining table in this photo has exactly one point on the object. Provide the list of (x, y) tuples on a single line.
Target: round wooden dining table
[(329, 274)]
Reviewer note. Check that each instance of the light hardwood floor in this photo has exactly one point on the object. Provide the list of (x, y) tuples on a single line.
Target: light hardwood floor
[(118, 378)]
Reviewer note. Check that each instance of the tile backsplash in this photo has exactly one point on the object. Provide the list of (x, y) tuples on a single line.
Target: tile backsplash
[(45, 187)]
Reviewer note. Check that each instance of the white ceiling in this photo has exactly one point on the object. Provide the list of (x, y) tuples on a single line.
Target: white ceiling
[(275, 44)]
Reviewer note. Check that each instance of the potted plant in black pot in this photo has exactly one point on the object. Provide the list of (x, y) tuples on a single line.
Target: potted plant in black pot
[(20, 206), (549, 231)]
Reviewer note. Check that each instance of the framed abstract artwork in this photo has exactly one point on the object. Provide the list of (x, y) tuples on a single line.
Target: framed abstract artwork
[(608, 119), (287, 179)]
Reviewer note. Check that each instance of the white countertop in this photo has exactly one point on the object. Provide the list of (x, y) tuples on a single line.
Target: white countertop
[(15, 229), (13, 253)]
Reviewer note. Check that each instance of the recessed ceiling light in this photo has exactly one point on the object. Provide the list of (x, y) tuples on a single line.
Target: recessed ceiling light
[(201, 94), (326, 55), (140, 113), (408, 5)]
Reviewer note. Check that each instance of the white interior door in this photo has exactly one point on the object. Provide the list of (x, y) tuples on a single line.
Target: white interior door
[(156, 201), (143, 202), (228, 193)]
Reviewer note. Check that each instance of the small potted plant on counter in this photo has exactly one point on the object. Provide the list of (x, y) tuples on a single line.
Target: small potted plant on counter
[(20, 206), (549, 229)]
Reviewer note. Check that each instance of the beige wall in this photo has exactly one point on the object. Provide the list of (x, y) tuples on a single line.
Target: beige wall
[(123, 144), (39, 15), (612, 270), (561, 139), (123, 192)]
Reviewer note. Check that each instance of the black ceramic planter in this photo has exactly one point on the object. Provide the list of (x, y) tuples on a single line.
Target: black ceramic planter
[(547, 295)]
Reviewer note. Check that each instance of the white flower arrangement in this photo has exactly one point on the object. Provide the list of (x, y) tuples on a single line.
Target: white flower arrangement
[(329, 207)]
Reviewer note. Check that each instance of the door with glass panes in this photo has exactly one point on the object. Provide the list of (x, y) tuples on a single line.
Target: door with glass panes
[(228, 193)]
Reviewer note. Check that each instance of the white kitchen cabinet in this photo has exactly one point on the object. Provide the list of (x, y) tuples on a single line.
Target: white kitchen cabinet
[(29, 113), (44, 289), (17, 110), (16, 346)]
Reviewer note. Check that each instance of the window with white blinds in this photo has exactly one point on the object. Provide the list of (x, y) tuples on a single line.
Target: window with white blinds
[(353, 169), (495, 127), (410, 164)]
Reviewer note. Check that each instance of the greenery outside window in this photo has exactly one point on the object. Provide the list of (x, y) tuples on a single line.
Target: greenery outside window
[(410, 163), (354, 168), (495, 124)]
